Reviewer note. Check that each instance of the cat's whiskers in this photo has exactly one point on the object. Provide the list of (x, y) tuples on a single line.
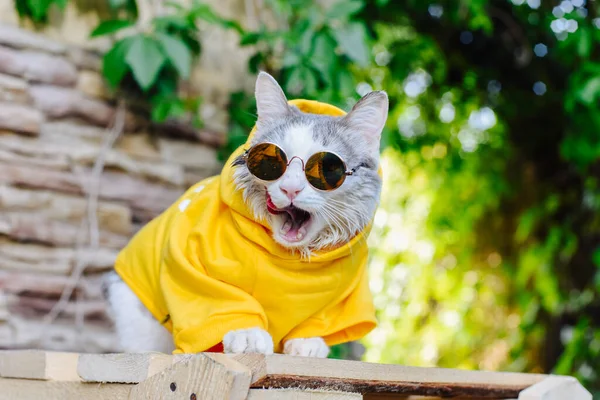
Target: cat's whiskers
[(362, 213), (351, 225)]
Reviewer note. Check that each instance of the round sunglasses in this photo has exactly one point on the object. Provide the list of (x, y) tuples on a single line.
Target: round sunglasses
[(324, 170)]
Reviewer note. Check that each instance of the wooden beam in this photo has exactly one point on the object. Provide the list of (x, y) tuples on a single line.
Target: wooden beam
[(194, 377), (240, 374), (556, 388), (38, 364), (121, 368), (279, 371), (297, 394), (23, 389)]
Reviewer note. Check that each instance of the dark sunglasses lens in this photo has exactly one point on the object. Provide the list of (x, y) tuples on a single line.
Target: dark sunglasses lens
[(266, 161), (325, 171)]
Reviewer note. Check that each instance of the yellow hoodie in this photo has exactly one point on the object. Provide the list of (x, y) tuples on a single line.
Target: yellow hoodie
[(205, 267)]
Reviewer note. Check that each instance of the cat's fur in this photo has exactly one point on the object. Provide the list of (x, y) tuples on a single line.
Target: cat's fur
[(336, 216)]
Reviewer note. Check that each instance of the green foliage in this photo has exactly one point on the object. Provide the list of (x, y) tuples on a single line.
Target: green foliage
[(485, 248), (111, 26), (37, 10), (151, 63), (315, 56)]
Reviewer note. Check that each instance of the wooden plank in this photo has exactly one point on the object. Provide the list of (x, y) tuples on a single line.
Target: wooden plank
[(138, 367), (556, 388), (22, 389), (279, 371), (193, 376), (38, 364), (397, 396), (297, 394), (240, 373), (121, 368)]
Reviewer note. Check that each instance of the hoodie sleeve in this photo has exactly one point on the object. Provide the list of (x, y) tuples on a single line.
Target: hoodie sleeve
[(348, 319), (203, 309)]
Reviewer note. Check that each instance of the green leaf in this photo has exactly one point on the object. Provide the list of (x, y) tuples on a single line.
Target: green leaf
[(206, 13), (344, 9), (145, 59), (303, 81), (111, 26), (114, 66), (306, 41), (160, 109), (584, 44), (588, 93), (323, 56), (346, 83), (250, 38), (596, 257), (166, 107), (39, 8), (175, 5), (290, 59), (178, 53), (22, 8), (255, 62), (310, 82), (293, 83), (352, 39), (527, 223), (117, 3), (170, 21)]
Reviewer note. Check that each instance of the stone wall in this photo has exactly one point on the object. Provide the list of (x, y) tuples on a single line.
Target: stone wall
[(55, 115)]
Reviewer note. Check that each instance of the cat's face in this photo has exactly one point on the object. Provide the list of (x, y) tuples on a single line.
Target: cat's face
[(302, 217)]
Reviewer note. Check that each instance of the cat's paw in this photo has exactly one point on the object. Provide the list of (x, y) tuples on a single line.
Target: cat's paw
[(253, 340), (310, 347)]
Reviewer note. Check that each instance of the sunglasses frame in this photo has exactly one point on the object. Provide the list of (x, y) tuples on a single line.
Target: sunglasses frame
[(347, 172)]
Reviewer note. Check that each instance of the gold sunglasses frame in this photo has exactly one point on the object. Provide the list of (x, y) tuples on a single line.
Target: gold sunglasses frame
[(347, 172)]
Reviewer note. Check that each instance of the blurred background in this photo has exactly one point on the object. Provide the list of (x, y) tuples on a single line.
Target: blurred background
[(486, 247)]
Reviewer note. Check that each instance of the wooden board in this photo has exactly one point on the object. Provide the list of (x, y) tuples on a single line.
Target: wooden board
[(241, 375), (62, 376), (193, 377), (23, 389), (297, 394), (121, 368), (38, 364), (278, 371)]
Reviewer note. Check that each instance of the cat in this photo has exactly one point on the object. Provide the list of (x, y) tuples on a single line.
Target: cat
[(302, 218)]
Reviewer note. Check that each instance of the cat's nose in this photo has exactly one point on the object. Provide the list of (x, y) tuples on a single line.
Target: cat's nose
[(291, 190)]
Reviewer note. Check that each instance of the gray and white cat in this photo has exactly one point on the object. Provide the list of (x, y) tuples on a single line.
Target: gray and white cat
[(331, 218)]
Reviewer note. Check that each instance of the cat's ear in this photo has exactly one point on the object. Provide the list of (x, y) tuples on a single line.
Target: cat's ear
[(368, 118), (271, 103)]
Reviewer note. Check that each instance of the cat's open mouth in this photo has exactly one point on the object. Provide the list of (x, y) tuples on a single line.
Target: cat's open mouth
[(296, 221)]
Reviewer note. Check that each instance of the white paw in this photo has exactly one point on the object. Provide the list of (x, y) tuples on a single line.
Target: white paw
[(253, 340), (311, 347)]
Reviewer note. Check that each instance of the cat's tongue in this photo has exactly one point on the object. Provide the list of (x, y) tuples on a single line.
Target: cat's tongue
[(294, 227)]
